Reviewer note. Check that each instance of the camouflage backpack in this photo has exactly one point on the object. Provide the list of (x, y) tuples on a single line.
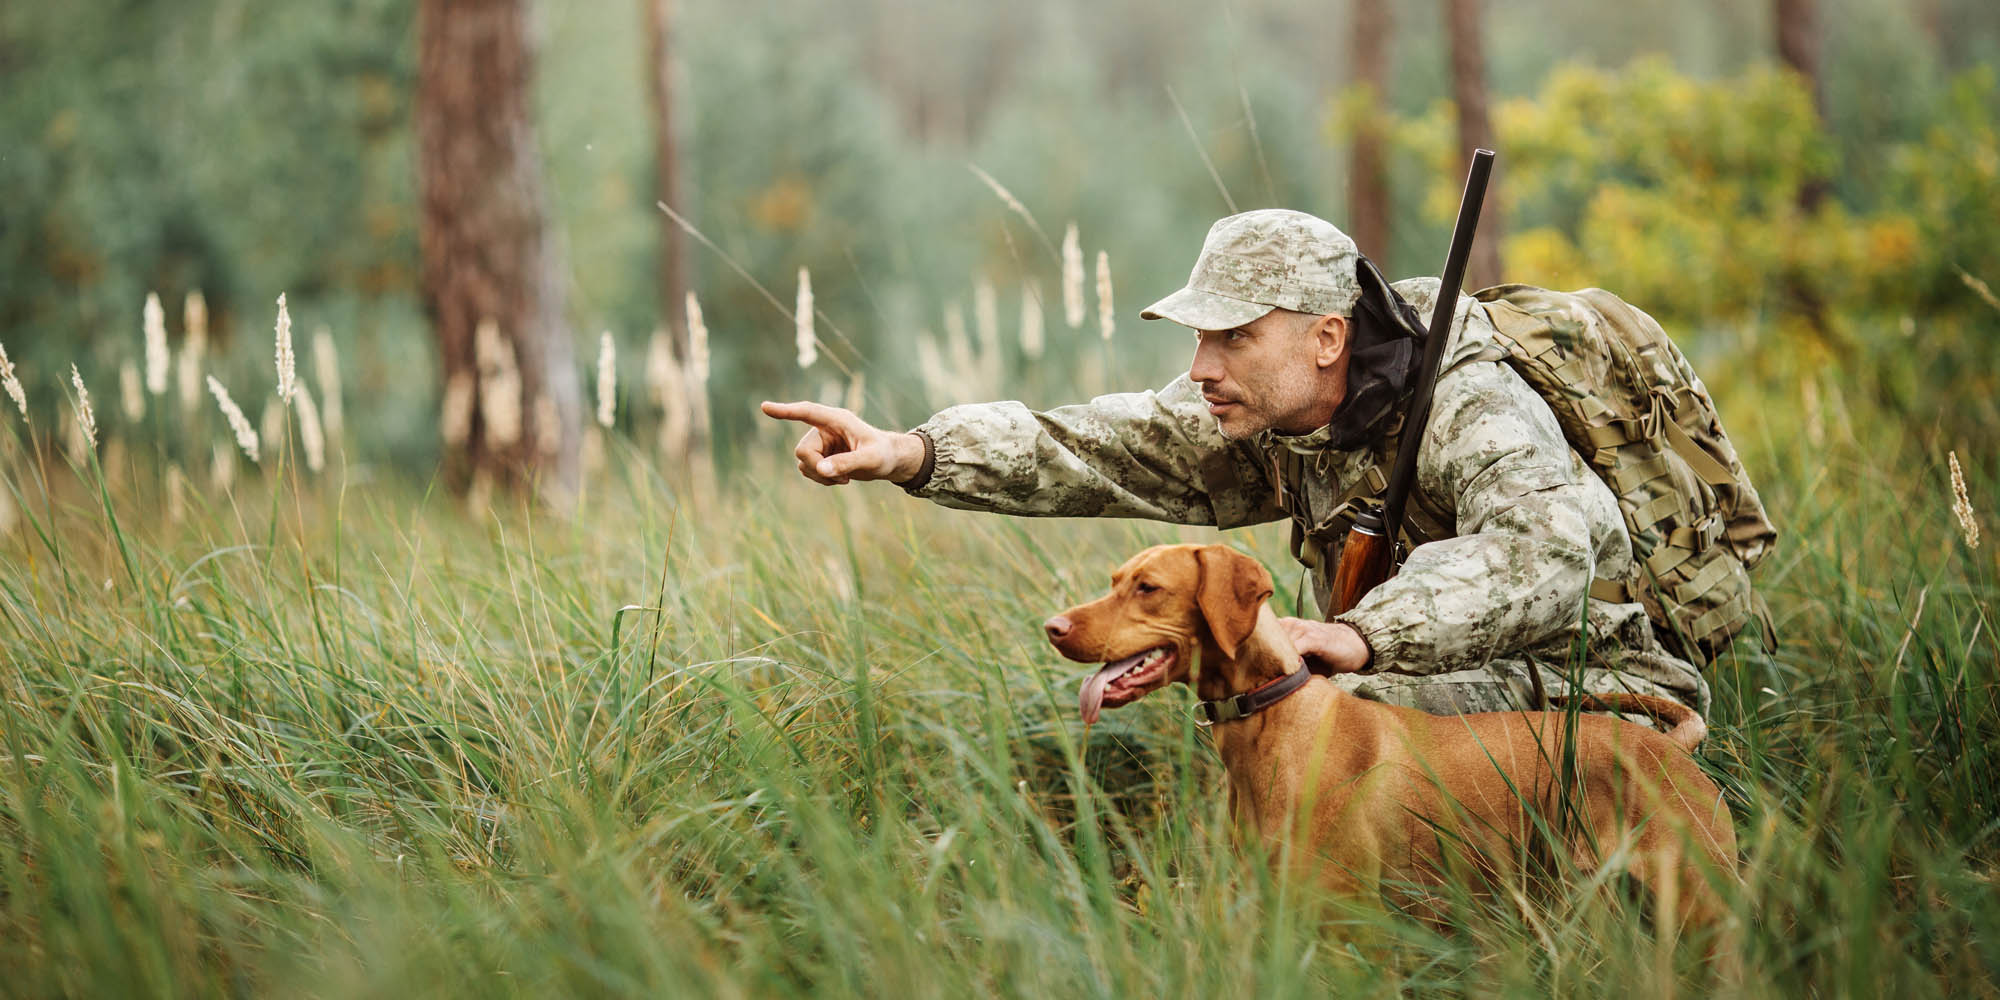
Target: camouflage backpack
[(1630, 404)]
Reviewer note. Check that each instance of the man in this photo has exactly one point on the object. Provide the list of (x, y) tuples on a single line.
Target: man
[(1291, 408)]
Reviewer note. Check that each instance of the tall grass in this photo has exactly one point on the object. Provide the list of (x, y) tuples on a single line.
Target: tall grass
[(332, 737)]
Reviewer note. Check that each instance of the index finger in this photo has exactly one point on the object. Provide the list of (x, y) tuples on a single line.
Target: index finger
[(817, 414)]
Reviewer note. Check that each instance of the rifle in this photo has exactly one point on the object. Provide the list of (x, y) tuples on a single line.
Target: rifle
[(1367, 558)]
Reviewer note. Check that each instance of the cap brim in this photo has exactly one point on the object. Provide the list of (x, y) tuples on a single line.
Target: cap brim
[(1199, 310)]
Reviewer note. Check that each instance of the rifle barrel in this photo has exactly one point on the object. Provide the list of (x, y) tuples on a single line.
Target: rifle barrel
[(1404, 474)]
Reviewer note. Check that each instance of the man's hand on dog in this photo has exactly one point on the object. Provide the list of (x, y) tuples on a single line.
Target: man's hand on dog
[(1336, 644), (841, 446)]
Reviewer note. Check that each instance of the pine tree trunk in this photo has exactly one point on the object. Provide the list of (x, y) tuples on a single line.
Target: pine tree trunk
[(487, 255), (673, 274), (1368, 168), (667, 187), (1465, 21)]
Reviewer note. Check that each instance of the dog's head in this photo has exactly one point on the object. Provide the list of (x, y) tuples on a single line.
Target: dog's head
[(1166, 604)]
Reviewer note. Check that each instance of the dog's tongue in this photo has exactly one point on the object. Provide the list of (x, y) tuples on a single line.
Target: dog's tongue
[(1091, 699)]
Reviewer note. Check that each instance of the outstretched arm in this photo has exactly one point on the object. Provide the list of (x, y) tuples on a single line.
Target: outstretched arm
[(1155, 455)]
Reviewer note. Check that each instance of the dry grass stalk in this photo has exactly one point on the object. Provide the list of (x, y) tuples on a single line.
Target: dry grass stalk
[(607, 379), (194, 313), (86, 418), (10, 516), (857, 393), (131, 394), (176, 494), (222, 464), (455, 412), (246, 436), (1072, 275), (1105, 315), (697, 365), (1007, 198), (157, 362), (288, 374), (326, 365), (499, 386), (1031, 321), (1961, 505), (802, 318), (12, 382), (312, 437)]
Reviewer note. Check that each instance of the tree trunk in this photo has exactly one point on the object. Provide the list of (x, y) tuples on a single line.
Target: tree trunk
[(487, 256), (667, 187), (1368, 168), (1798, 37), (673, 276), (1464, 20)]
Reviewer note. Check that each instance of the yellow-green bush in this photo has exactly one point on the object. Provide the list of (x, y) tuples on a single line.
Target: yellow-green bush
[(1690, 196)]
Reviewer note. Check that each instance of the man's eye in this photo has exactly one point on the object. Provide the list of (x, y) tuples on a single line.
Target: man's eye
[(1233, 336)]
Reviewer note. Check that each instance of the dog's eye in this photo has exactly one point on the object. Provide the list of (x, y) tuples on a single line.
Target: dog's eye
[(1146, 588)]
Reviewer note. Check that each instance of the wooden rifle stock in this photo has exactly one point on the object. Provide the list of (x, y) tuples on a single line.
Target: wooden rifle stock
[(1367, 557), (1364, 563)]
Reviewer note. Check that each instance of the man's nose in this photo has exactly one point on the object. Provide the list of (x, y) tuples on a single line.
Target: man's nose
[(1057, 628), (1204, 367)]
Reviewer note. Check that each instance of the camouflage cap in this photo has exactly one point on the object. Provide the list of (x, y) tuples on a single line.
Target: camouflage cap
[(1256, 261)]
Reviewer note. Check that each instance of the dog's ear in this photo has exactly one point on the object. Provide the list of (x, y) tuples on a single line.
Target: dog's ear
[(1233, 587)]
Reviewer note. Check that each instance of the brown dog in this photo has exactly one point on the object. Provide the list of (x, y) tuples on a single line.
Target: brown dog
[(1356, 792)]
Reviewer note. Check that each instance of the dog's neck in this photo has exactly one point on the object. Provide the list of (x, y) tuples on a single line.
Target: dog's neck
[(1265, 656)]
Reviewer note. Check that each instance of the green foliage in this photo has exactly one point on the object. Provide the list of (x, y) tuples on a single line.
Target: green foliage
[(1688, 197)]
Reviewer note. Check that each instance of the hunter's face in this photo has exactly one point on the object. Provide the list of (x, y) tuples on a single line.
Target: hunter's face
[(1283, 371)]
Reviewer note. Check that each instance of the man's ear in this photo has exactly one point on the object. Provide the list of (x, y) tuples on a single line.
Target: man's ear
[(1233, 587), (1331, 333)]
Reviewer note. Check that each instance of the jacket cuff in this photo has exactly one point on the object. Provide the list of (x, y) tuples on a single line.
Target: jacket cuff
[(929, 466), (1374, 664)]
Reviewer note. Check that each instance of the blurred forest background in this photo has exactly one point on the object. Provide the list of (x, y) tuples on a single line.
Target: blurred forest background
[(1830, 183)]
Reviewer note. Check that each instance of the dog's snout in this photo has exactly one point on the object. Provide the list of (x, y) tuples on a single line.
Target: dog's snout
[(1057, 627)]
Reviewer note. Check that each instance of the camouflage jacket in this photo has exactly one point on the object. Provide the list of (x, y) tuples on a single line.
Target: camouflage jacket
[(1512, 524)]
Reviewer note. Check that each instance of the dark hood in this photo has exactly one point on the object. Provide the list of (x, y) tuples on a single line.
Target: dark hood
[(1388, 341)]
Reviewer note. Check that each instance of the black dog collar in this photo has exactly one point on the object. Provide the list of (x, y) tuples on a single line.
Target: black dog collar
[(1251, 702)]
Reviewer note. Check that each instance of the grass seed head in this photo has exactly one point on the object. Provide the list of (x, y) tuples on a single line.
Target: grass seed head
[(1105, 314), (499, 387), (131, 394), (312, 437), (157, 362), (246, 435), (86, 419), (607, 379), (194, 314), (1072, 274), (697, 342), (802, 318), (326, 365), (1961, 505), (12, 383), (1031, 321), (455, 412), (287, 363)]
